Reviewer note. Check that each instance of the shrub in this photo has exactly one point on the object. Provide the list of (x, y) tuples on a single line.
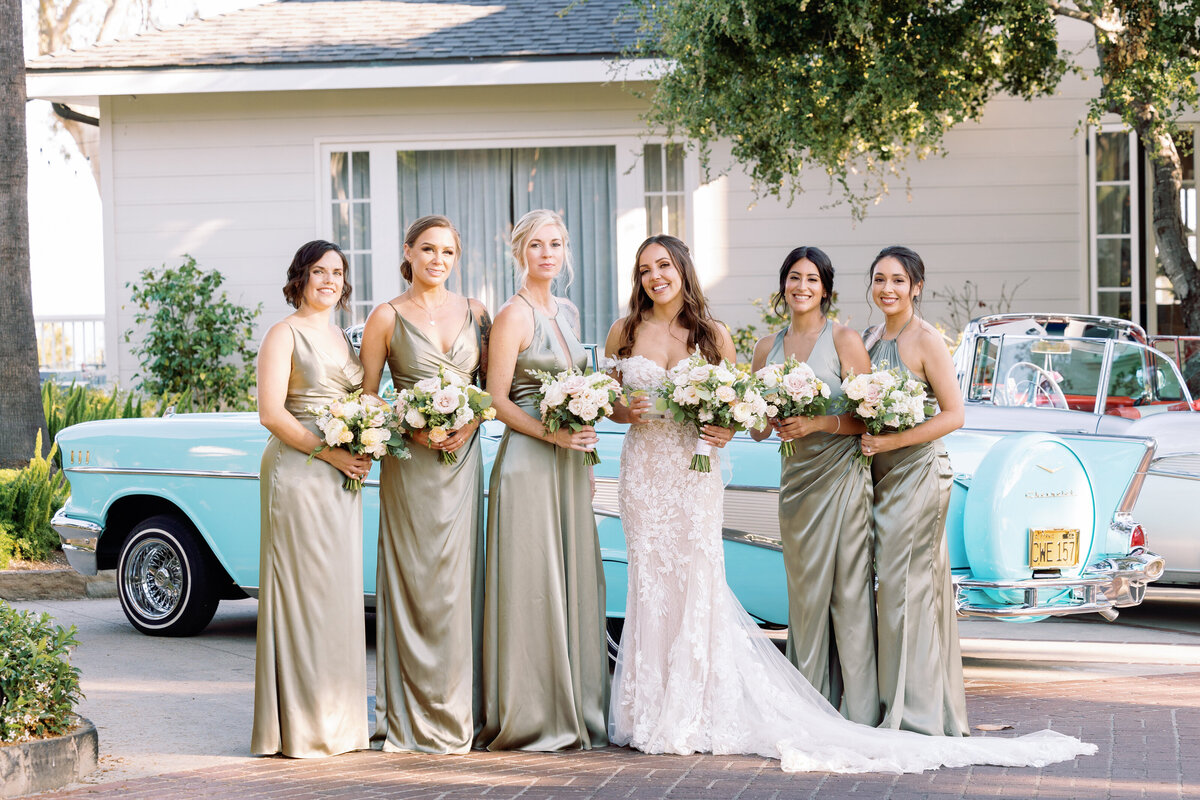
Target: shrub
[(28, 499), (197, 341), (38, 686), (81, 403)]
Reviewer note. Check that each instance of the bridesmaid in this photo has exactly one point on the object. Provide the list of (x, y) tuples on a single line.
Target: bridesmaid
[(310, 672), (824, 499), (430, 522), (920, 667), (545, 665)]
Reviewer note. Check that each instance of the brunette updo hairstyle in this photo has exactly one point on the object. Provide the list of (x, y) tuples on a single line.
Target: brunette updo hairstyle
[(297, 274), (420, 226), (694, 315), (816, 256), (529, 224), (914, 267)]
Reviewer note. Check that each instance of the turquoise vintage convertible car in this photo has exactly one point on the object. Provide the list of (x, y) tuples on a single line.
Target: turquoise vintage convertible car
[(1039, 524)]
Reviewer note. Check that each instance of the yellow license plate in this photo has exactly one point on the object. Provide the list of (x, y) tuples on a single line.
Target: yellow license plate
[(1053, 548)]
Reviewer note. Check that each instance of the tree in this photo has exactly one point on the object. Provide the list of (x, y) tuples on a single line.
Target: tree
[(857, 87), (21, 416)]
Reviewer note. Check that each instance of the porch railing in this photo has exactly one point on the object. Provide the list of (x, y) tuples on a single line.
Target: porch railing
[(71, 345)]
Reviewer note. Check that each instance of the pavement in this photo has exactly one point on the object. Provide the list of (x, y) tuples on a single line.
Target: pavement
[(174, 719)]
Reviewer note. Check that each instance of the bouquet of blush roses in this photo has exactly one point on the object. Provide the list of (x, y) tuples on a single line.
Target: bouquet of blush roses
[(573, 399), (886, 400), (361, 425), (792, 389), (713, 394), (442, 404)]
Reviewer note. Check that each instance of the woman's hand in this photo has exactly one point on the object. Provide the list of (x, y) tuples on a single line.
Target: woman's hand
[(453, 441), (797, 427), (639, 404), (882, 443), (583, 439), (716, 435), (345, 462)]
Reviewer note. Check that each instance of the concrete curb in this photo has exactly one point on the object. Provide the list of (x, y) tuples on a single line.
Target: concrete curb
[(55, 584), (31, 767)]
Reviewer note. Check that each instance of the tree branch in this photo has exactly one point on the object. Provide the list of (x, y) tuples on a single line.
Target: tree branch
[(1106, 24)]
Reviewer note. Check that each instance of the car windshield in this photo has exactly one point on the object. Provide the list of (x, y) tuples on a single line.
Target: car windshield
[(1051, 372)]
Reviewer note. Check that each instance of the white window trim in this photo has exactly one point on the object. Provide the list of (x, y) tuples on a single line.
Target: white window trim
[(1136, 267)]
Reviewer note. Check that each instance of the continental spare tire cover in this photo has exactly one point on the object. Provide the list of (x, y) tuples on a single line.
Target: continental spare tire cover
[(1028, 485)]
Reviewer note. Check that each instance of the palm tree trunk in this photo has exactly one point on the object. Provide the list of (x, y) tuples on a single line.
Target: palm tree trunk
[(21, 414)]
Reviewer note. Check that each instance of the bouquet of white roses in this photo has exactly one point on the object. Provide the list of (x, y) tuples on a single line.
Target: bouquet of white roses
[(572, 399), (442, 404), (361, 425), (713, 394), (886, 400), (792, 389)]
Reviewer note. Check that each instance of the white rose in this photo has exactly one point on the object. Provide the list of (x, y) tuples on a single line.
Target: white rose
[(705, 415), (555, 395), (772, 411), (824, 389), (723, 374), (726, 394), (445, 401), (463, 417), (428, 385), (373, 436), (337, 433), (414, 418), (769, 375), (454, 379), (886, 380), (351, 410), (574, 383), (699, 374), (743, 412), (686, 395)]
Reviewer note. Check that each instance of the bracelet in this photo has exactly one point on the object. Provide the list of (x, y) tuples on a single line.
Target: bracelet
[(839, 424)]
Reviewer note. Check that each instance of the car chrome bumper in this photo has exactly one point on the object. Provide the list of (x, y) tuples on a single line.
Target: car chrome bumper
[(1103, 587), (79, 538)]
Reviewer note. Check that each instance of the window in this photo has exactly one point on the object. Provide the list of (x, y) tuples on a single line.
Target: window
[(1058, 373), (1115, 239), (350, 193), (663, 169), (1141, 382)]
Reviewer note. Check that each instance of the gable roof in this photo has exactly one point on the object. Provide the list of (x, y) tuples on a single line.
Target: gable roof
[(329, 33)]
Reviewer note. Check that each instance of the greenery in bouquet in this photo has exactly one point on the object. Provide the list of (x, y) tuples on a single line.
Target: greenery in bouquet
[(792, 389), (441, 405), (702, 394), (574, 399), (886, 400), (38, 686), (361, 424)]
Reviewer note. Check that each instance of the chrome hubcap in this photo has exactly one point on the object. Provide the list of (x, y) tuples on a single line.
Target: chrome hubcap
[(153, 579)]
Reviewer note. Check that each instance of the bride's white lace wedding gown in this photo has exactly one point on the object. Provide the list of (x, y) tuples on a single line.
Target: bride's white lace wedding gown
[(695, 674)]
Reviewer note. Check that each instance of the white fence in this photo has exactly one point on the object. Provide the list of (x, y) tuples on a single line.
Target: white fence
[(71, 344)]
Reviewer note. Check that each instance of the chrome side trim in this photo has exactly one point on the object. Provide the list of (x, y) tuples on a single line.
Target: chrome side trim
[(181, 473), (757, 540), (79, 538)]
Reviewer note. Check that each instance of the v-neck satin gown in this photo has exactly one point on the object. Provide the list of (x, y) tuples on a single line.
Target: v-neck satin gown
[(545, 664), (920, 664), (826, 527), (430, 569), (310, 670)]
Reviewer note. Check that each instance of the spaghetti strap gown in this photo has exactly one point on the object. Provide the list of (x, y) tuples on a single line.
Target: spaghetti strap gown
[(920, 664), (545, 663), (429, 572), (826, 527), (695, 674), (310, 669)]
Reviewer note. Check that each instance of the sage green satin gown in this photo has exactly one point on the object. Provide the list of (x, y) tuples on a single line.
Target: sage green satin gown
[(826, 527), (545, 665), (430, 569), (310, 670), (920, 665)]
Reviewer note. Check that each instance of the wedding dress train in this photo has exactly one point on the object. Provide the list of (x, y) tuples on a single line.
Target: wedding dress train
[(694, 672)]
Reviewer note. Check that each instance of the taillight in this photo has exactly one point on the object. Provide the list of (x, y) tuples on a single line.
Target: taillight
[(1137, 537)]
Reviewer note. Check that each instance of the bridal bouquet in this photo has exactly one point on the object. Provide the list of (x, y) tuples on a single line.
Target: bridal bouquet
[(707, 394), (361, 425), (572, 399), (442, 404), (886, 400), (792, 389)]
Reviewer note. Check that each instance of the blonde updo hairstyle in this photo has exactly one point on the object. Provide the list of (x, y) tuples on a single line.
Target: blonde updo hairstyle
[(420, 226), (523, 231)]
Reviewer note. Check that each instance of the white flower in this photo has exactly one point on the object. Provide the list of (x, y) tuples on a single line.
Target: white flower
[(414, 418), (428, 385), (769, 375), (463, 417), (699, 374), (454, 379), (705, 415), (573, 383), (743, 412), (726, 394), (686, 395), (772, 411), (723, 374), (336, 432), (445, 401), (351, 409), (555, 395)]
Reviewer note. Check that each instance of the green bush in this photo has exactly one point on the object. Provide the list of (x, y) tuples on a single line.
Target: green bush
[(29, 497), (38, 686), (196, 342)]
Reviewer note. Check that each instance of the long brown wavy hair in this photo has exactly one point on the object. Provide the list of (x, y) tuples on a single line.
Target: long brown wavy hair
[(694, 316)]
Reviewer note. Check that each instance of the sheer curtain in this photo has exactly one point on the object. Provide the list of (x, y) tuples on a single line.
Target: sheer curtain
[(485, 191)]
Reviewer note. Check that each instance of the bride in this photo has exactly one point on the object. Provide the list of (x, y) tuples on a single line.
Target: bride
[(694, 673)]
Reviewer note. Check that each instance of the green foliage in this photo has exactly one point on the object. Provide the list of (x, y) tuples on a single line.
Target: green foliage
[(29, 497), (747, 336), (853, 87), (38, 686), (198, 343), (81, 403)]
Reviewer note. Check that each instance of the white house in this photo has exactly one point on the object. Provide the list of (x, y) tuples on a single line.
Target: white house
[(235, 139)]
